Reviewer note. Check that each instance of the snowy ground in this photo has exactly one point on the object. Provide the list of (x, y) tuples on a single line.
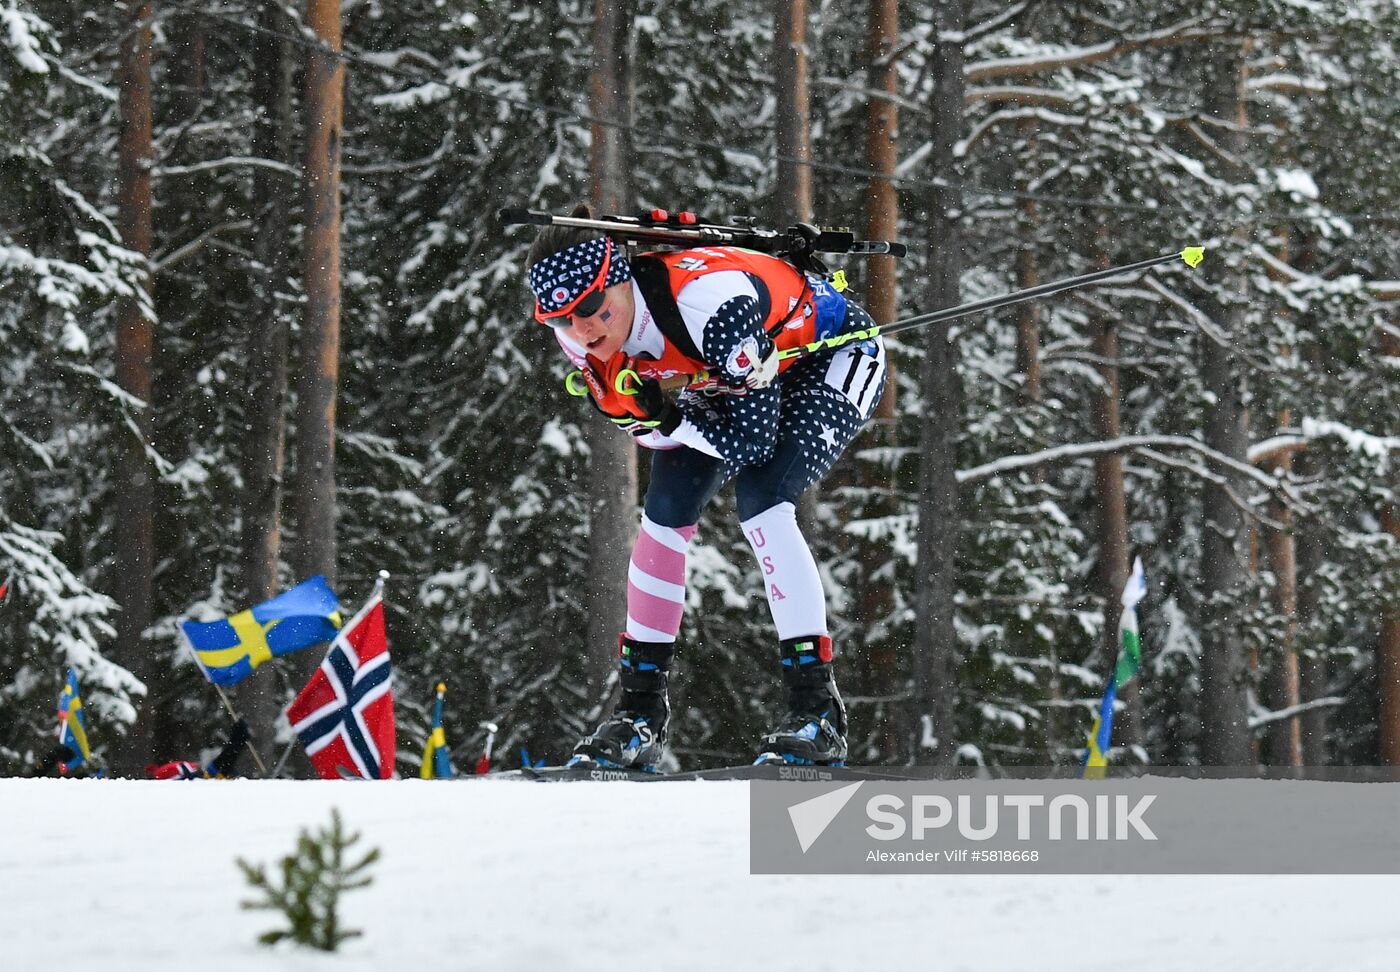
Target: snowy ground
[(501, 875)]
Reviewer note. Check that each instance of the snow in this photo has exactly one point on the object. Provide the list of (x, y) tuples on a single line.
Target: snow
[(74, 340), (1298, 182), (424, 94), (553, 436), (993, 714), (20, 39), (1356, 440), (511, 875), (1181, 636)]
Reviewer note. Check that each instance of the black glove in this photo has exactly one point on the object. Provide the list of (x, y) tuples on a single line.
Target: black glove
[(226, 763)]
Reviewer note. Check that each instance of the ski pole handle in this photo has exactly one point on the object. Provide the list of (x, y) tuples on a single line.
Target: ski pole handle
[(628, 382), (575, 385)]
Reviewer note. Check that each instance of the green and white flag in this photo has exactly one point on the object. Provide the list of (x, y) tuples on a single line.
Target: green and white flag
[(1129, 661)]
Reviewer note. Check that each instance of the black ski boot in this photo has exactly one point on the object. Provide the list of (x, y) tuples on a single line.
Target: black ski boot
[(814, 729), (634, 736)]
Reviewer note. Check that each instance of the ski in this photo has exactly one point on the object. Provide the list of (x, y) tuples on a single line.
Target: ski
[(768, 772), (587, 773)]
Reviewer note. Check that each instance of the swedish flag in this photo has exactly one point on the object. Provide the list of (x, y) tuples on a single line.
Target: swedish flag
[(230, 649), (437, 761), (72, 724)]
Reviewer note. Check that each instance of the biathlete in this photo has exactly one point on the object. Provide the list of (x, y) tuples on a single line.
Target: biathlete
[(772, 427)]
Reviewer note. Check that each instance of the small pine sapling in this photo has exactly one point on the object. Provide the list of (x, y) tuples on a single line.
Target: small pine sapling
[(312, 879)]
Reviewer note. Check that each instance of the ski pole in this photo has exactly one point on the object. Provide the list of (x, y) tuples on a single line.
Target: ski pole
[(1191, 256)]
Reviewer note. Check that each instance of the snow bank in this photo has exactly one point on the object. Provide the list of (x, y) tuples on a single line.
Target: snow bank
[(500, 875)]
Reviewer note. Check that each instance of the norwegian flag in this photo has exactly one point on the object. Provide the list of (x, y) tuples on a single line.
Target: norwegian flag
[(345, 715)]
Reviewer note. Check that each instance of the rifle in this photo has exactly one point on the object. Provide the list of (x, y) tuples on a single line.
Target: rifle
[(799, 244)]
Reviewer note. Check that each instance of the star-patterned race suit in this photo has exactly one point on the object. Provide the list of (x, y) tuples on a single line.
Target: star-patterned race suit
[(723, 310)]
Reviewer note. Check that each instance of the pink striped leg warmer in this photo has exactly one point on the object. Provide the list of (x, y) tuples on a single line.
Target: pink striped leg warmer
[(656, 582)]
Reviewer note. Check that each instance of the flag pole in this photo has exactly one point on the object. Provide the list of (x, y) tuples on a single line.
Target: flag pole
[(262, 767), (277, 770)]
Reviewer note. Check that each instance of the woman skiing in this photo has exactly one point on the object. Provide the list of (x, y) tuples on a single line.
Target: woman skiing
[(772, 427)]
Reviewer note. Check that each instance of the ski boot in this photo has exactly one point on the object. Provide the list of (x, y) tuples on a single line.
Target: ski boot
[(634, 736), (814, 729)]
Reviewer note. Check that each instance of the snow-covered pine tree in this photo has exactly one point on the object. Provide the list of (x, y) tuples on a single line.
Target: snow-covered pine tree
[(61, 266)]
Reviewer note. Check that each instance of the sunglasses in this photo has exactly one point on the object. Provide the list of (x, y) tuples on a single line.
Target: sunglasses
[(585, 304)]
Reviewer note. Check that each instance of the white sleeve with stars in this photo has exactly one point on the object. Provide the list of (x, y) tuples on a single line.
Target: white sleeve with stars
[(721, 312)]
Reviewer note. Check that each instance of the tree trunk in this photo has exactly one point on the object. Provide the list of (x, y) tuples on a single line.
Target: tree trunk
[(1310, 551), (1388, 650), (319, 372), (1225, 735), (134, 510), (1283, 745), (881, 299), (881, 155), (1312, 668), (1388, 663), (1112, 507), (935, 643), (1028, 365), (1283, 742), (793, 137), (264, 440), (1027, 276), (791, 123), (1028, 317), (612, 508)]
